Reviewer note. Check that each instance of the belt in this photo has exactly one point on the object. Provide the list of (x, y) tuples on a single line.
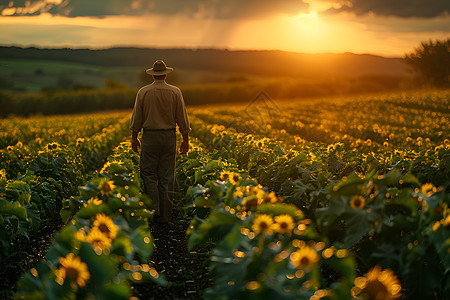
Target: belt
[(145, 129)]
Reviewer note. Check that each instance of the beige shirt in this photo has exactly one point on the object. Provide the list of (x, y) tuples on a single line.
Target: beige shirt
[(159, 106)]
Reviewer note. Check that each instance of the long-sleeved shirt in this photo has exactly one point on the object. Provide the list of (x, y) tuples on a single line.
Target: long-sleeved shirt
[(159, 106)]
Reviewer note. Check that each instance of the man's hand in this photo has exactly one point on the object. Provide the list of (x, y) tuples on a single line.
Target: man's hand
[(135, 145), (184, 147)]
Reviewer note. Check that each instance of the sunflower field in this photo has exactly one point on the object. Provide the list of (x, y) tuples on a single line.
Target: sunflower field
[(327, 199)]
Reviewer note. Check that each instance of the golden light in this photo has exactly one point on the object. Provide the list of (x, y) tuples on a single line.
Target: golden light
[(307, 28)]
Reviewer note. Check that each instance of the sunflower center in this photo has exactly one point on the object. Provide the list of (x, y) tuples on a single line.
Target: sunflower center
[(252, 203), (107, 188), (357, 202), (376, 290), (283, 225), (104, 228), (304, 261), (97, 240), (263, 225), (72, 273)]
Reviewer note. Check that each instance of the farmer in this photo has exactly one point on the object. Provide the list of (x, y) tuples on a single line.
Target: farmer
[(159, 107)]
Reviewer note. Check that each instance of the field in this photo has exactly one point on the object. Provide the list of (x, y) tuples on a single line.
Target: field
[(336, 198), (61, 81), (32, 75)]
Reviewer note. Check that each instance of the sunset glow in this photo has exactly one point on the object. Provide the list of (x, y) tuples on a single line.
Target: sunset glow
[(312, 30)]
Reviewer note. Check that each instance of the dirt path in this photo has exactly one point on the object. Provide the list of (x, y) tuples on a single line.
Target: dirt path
[(186, 272), (27, 254)]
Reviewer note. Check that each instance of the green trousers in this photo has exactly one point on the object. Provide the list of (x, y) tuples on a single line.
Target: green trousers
[(157, 168)]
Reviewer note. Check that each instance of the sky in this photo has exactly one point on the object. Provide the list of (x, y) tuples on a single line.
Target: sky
[(382, 27)]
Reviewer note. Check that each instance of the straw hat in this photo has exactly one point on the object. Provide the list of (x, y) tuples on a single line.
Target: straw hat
[(159, 68)]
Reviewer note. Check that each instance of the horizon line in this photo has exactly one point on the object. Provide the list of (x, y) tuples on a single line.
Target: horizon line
[(84, 47)]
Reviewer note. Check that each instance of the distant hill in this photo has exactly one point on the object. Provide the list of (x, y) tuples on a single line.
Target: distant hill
[(265, 63)]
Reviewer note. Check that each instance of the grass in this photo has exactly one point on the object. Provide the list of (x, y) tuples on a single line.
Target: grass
[(32, 75), (35, 74)]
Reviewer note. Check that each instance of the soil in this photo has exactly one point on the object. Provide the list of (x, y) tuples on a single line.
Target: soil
[(26, 254), (186, 271)]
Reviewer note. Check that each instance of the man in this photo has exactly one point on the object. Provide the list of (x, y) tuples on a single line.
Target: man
[(159, 107)]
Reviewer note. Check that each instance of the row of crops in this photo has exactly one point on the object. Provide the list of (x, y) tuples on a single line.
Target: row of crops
[(40, 171), (332, 199), (393, 122), (324, 200), (107, 243), (322, 233)]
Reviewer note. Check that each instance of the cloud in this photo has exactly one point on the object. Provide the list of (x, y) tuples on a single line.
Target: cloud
[(199, 9), (398, 8)]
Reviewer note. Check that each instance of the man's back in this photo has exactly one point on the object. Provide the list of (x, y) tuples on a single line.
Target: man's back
[(159, 106)]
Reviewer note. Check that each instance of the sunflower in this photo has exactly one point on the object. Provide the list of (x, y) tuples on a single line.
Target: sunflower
[(106, 225), (436, 225), (232, 177), (73, 268), (299, 140), (238, 192), (304, 257), (224, 175), (263, 224), (105, 167), (213, 129), (52, 146), (79, 142), (358, 202), (251, 201), (97, 239), (107, 187), (378, 285), (270, 198), (447, 221), (81, 235), (284, 224), (235, 177), (427, 189), (95, 201), (258, 192)]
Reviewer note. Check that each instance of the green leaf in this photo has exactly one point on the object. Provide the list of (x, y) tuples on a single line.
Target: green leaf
[(233, 238), (218, 224), (101, 267), (358, 224), (352, 186), (91, 210), (276, 209), (142, 243), (13, 208), (119, 291), (212, 165), (198, 176), (122, 246), (345, 266), (19, 191), (421, 272), (202, 202), (33, 216)]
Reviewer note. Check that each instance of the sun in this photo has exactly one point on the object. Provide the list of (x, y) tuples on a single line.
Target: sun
[(308, 27)]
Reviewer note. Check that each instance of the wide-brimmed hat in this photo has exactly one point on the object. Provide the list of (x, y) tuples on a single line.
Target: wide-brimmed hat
[(159, 68)]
